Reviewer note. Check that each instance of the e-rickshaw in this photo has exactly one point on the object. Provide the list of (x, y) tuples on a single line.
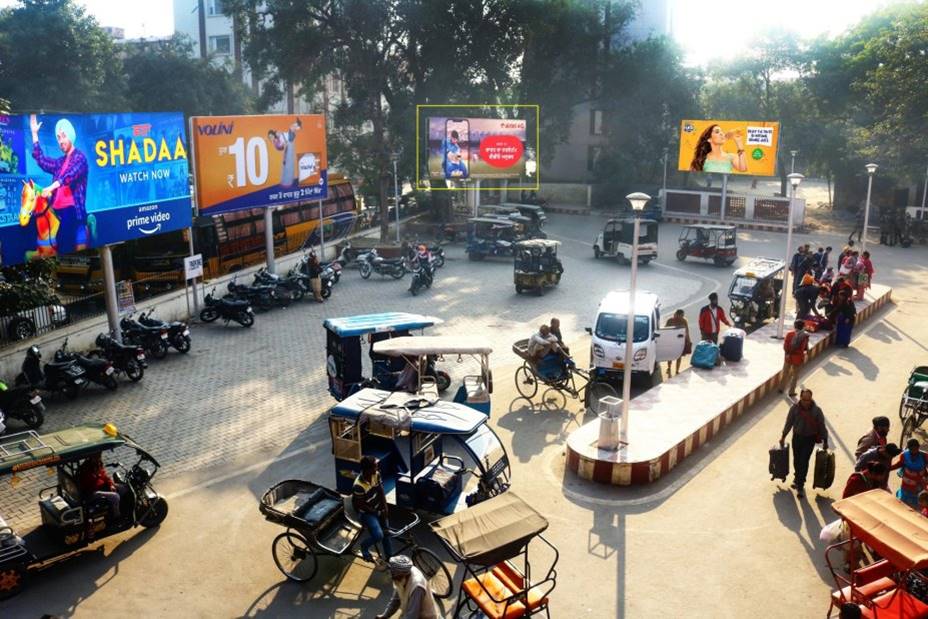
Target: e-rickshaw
[(490, 236), (913, 406), (491, 541), (343, 364), (536, 265), (617, 236), (496, 210), (413, 438), (534, 212), (709, 242), (755, 291), (475, 389), (895, 583), (71, 520)]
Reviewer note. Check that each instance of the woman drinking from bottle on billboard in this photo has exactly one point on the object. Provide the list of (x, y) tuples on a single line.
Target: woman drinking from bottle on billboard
[(708, 155)]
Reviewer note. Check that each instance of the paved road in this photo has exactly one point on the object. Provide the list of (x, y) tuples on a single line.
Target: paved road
[(703, 542)]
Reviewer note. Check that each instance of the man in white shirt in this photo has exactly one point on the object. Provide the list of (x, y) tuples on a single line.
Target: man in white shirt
[(542, 343)]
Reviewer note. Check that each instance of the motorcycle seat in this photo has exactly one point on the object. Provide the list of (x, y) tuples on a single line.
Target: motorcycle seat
[(92, 362), (233, 302), (60, 365)]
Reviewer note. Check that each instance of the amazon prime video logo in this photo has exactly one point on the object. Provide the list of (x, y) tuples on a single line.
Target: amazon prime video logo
[(148, 222)]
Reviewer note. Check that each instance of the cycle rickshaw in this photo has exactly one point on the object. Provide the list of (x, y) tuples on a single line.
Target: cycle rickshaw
[(561, 376), (913, 406)]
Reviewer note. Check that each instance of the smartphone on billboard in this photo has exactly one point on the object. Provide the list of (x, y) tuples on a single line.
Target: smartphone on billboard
[(456, 148)]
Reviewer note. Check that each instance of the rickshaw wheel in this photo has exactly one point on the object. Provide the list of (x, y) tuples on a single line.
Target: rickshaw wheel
[(12, 581), (526, 383), (681, 255), (294, 558), (435, 572), (908, 427), (902, 414)]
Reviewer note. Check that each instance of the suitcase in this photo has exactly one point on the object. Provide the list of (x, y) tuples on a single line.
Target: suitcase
[(733, 345), (824, 472), (705, 355), (779, 462), (843, 330)]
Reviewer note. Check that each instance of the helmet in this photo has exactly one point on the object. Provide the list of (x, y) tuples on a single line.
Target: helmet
[(33, 351)]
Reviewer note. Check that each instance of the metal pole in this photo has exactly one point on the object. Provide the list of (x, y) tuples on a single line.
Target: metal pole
[(789, 250), (193, 282), (724, 196), (109, 289), (269, 238), (925, 190), (629, 340), (396, 201), (477, 198), (863, 238), (792, 162), (321, 234), (664, 184)]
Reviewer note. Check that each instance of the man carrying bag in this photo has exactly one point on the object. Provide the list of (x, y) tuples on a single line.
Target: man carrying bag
[(807, 423)]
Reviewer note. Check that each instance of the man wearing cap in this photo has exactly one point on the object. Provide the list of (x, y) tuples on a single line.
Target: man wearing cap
[(412, 595)]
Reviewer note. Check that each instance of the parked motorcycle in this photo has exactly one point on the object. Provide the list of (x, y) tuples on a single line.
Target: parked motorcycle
[(288, 284), (127, 359), (153, 339), (263, 297), (438, 256), (23, 404), (99, 371), (178, 331), (56, 377), (371, 262), (227, 309)]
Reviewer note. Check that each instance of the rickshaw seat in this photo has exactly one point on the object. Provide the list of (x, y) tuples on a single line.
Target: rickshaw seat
[(492, 589), (476, 389), (865, 591), (896, 604)]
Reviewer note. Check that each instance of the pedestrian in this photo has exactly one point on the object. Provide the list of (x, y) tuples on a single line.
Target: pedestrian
[(412, 595), (845, 252), (806, 295), (795, 347), (795, 264), (826, 259), (315, 276), (879, 453), (807, 423), (370, 503), (913, 469), (873, 476), (864, 271), (678, 320), (876, 437), (819, 266), (843, 316), (710, 319), (858, 226)]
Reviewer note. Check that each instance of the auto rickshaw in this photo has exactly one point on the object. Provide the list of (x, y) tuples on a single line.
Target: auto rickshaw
[(615, 240), (71, 520), (755, 291), (344, 365), (475, 389), (536, 265), (709, 242), (433, 456), (535, 213), (490, 236)]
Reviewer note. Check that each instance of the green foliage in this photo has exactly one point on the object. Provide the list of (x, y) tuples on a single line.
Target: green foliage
[(27, 286)]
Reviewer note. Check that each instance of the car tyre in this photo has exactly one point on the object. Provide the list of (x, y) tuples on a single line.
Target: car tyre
[(21, 329)]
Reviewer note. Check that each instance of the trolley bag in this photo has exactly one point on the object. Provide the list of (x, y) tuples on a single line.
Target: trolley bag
[(779, 462), (843, 330), (733, 345), (824, 473), (705, 355), (434, 490)]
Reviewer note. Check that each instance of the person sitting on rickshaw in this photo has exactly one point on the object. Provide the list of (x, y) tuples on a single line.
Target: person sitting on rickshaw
[(546, 353), (95, 483), (408, 378), (412, 595), (370, 502), (555, 329)]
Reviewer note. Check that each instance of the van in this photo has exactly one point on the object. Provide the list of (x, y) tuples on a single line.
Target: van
[(651, 344)]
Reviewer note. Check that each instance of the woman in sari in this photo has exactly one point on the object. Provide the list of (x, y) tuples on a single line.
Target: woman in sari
[(864, 271), (913, 469)]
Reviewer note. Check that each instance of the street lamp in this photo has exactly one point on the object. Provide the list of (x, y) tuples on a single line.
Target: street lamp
[(664, 185), (794, 180), (871, 170), (638, 201), (792, 163)]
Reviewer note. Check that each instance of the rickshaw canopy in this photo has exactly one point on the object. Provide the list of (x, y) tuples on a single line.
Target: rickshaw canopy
[(493, 221), (410, 412), (537, 244), (760, 268), (894, 530), (433, 345), (28, 450), (378, 323), (491, 531)]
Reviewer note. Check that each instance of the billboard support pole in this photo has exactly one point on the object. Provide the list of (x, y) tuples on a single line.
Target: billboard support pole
[(724, 196), (321, 234), (109, 288), (477, 198), (193, 282), (269, 238)]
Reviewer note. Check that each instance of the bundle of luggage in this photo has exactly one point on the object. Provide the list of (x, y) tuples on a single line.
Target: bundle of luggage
[(707, 354)]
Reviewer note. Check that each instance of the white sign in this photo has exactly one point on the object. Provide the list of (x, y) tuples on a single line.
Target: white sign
[(193, 266), (760, 136)]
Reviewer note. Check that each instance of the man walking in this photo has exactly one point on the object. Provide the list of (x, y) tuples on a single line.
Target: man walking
[(807, 423), (795, 347), (710, 318), (858, 226), (412, 595)]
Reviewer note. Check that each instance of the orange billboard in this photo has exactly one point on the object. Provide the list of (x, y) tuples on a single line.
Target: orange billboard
[(244, 162), (729, 147)]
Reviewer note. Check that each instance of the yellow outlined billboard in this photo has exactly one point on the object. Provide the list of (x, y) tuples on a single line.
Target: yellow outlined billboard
[(729, 147)]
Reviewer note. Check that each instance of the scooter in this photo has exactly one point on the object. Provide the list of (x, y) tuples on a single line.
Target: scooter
[(178, 331), (263, 297), (99, 371), (372, 262), (56, 377), (23, 404), (422, 277), (227, 309), (127, 359)]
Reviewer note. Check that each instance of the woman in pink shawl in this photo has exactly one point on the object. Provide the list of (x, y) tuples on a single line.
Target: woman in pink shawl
[(864, 271)]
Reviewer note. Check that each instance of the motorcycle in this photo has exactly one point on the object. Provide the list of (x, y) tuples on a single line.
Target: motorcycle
[(153, 339), (99, 371), (227, 309), (23, 404), (178, 331), (438, 256), (263, 297), (64, 376), (371, 262), (127, 359), (289, 284), (422, 276)]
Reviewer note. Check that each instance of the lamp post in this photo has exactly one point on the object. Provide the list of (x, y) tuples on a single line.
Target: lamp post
[(638, 201), (794, 180), (871, 170), (925, 190), (792, 163), (664, 184), (396, 196)]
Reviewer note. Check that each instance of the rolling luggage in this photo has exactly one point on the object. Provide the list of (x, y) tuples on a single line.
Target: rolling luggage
[(843, 330), (733, 345), (705, 355), (779, 462), (824, 472)]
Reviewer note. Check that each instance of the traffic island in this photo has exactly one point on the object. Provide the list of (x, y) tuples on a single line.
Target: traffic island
[(671, 421)]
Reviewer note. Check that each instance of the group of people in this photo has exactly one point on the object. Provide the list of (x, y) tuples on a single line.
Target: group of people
[(547, 350), (817, 286)]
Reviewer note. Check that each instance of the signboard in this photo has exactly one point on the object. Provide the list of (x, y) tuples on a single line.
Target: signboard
[(75, 181), (245, 162), (193, 266), (125, 297), (729, 147), (478, 148)]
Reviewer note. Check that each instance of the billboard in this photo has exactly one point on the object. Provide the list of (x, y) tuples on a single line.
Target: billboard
[(245, 162), (75, 181), (729, 147), (478, 148)]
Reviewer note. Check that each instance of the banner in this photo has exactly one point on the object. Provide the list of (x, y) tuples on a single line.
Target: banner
[(729, 147), (478, 148), (75, 181), (245, 162)]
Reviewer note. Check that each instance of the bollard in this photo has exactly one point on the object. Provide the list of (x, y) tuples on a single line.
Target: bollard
[(610, 418)]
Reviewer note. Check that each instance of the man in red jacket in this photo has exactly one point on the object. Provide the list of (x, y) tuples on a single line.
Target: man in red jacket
[(795, 347), (710, 318)]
